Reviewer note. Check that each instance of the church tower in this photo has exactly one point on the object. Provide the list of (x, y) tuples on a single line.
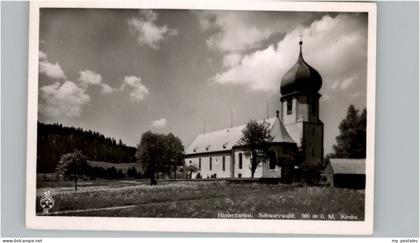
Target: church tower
[(300, 108)]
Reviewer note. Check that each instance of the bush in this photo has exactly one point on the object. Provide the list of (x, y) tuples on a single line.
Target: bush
[(110, 173), (132, 173), (311, 171)]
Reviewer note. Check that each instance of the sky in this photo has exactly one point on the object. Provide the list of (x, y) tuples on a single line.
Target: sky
[(122, 72)]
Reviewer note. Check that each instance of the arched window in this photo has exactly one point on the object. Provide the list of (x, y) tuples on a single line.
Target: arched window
[(223, 163), (240, 161), (210, 164)]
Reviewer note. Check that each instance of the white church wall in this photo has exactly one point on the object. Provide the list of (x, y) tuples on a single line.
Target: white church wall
[(302, 108), (203, 164), (295, 131), (270, 173), (207, 171), (289, 118), (218, 168), (245, 170)]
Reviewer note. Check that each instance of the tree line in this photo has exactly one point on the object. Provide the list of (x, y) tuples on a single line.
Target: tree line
[(74, 166), (157, 153), (55, 140)]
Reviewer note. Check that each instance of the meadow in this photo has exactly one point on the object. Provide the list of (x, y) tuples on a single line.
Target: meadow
[(202, 199)]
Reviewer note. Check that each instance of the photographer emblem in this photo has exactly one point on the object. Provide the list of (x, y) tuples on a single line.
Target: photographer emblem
[(46, 202)]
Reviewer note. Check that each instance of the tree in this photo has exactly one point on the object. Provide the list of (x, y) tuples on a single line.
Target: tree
[(351, 142), (159, 153), (120, 174), (311, 171), (191, 169), (174, 152), (72, 165), (111, 173), (132, 172), (255, 141)]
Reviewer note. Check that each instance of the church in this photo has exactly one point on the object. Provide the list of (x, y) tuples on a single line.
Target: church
[(296, 126)]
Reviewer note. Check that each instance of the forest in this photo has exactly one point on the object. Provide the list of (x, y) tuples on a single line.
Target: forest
[(54, 140)]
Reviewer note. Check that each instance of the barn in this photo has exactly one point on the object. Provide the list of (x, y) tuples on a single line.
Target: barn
[(346, 173)]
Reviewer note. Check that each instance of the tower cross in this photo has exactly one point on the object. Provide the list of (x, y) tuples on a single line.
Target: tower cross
[(300, 36), (300, 44)]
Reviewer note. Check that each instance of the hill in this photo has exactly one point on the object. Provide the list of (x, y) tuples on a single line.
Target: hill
[(55, 140)]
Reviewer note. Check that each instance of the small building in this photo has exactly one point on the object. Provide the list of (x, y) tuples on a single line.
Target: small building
[(346, 173)]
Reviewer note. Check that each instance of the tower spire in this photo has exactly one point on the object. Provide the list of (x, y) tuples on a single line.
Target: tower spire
[(300, 44), (300, 36)]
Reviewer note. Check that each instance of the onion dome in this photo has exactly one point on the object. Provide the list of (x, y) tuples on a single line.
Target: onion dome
[(301, 78)]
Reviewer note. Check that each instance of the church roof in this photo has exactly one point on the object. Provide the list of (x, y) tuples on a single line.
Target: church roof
[(348, 166), (279, 132), (225, 139), (300, 78)]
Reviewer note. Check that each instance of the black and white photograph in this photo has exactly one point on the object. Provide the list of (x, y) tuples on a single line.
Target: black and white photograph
[(258, 118)]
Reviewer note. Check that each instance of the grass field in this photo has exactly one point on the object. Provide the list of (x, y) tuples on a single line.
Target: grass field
[(204, 199)]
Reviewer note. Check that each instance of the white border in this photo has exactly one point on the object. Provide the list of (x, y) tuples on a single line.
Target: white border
[(199, 225)]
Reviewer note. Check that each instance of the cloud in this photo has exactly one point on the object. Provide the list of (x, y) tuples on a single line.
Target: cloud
[(258, 71), (355, 94), (62, 102), (325, 97), (42, 55), (89, 77), (148, 32), (334, 86), (138, 92), (231, 59), (52, 70), (161, 123), (344, 84), (237, 31), (64, 99), (106, 89), (347, 83), (343, 39)]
